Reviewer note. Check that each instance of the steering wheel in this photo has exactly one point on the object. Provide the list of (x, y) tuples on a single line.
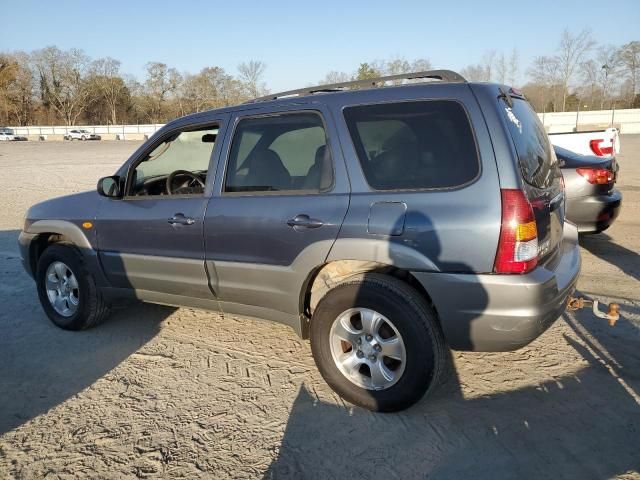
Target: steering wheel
[(185, 173)]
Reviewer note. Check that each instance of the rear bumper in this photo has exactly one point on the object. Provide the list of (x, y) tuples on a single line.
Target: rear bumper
[(594, 213), (495, 313)]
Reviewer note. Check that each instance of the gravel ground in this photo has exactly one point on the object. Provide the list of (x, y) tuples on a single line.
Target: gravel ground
[(159, 392)]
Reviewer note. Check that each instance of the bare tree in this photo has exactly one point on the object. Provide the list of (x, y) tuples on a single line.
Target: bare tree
[(395, 66), (420, 65), (544, 75), (252, 73), (514, 67), (571, 50), (105, 75), (475, 73), (590, 72), (62, 76), (160, 83), (212, 87), (8, 73), (488, 62), (335, 77), (629, 58), (502, 68)]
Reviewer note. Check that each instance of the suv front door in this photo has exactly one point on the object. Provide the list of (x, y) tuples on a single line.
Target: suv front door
[(276, 211), (151, 239)]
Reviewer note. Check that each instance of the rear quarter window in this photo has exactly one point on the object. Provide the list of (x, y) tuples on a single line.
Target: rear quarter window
[(414, 145)]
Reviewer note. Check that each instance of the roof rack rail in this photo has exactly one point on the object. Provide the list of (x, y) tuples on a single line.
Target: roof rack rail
[(444, 75)]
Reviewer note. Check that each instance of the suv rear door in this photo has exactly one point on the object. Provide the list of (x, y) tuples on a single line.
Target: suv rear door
[(278, 205), (538, 165)]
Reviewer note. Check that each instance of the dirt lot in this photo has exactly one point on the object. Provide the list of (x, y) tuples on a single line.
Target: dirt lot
[(158, 392)]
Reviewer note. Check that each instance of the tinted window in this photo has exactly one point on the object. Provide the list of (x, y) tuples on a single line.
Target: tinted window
[(414, 145), (537, 162), (279, 153)]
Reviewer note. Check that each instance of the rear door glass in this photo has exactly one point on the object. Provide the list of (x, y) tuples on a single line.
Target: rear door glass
[(414, 145), (537, 161)]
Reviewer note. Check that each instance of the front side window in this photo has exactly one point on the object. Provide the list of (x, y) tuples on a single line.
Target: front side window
[(176, 166), (414, 145), (286, 152)]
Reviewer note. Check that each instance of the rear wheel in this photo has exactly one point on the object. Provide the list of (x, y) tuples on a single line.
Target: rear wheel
[(67, 291), (377, 342)]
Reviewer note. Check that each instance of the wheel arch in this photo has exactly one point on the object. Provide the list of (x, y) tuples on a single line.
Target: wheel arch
[(48, 232), (326, 276)]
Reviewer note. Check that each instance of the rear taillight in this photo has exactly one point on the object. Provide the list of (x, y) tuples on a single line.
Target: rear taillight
[(596, 176), (518, 244), (599, 149)]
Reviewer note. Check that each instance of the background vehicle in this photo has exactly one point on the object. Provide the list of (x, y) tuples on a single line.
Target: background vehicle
[(592, 201), (81, 135), (6, 137), (601, 143), (346, 213)]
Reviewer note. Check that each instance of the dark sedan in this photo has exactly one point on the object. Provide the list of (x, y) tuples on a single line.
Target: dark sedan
[(592, 201)]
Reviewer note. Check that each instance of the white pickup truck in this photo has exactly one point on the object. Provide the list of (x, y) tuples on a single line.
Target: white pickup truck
[(602, 143)]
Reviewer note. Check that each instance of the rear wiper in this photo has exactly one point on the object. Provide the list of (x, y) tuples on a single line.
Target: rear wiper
[(506, 96)]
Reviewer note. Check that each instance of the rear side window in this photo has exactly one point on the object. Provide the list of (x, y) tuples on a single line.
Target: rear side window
[(286, 152), (414, 145), (537, 161)]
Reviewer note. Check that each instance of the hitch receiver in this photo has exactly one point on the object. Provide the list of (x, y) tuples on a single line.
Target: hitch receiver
[(612, 315)]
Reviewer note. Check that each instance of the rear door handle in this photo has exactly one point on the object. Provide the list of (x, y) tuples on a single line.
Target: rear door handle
[(304, 221), (180, 219)]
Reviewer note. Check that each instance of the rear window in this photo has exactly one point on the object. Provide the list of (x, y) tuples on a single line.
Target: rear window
[(537, 161), (414, 145)]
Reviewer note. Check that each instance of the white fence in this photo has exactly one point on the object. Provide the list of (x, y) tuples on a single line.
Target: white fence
[(627, 120), (147, 129)]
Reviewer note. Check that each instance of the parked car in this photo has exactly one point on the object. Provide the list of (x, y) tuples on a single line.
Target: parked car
[(20, 138), (601, 143), (385, 224), (81, 135), (6, 137), (592, 201)]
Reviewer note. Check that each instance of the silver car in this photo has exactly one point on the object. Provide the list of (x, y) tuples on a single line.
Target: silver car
[(81, 135)]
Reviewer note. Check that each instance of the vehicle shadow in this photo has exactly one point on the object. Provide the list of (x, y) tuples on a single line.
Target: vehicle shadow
[(584, 423), (42, 365), (605, 247)]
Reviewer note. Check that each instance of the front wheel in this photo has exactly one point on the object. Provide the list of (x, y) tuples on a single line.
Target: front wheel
[(377, 342), (67, 291)]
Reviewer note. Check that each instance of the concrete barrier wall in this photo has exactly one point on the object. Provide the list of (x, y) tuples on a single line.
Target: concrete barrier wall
[(628, 121), (107, 132)]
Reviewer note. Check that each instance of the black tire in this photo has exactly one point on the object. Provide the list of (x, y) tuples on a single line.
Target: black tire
[(92, 309), (415, 320)]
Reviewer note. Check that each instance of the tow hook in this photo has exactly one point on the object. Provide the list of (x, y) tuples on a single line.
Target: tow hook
[(612, 315)]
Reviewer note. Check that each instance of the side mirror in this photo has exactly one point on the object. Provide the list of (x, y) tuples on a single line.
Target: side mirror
[(110, 187)]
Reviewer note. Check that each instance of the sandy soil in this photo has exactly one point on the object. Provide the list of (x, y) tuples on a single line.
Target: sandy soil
[(158, 392)]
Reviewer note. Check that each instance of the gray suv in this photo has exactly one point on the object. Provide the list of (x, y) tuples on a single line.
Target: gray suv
[(385, 223)]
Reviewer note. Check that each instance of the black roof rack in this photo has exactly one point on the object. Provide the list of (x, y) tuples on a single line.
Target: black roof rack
[(444, 75)]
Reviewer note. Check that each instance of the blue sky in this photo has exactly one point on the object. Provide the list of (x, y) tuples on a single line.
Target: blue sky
[(301, 41)]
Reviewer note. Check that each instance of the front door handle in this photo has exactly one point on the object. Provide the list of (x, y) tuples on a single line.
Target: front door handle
[(180, 219), (304, 221)]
